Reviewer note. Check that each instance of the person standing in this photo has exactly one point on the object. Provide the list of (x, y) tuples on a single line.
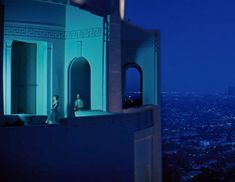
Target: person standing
[(53, 115), (78, 104)]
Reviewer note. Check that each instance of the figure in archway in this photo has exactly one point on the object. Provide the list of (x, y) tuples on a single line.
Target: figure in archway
[(78, 105), (79, 83)]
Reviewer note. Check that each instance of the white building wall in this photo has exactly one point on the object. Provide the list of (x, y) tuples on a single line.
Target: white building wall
[(141, 47), (64, 33), (34, 12), (85, 39), (145, 58), (26, 22)]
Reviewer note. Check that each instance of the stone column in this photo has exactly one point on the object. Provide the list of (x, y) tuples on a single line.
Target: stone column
[(114, 67), (7, 73), (49, 76)]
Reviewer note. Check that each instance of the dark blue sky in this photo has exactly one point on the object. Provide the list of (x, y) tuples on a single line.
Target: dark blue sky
[(132, 85), (197, 41)]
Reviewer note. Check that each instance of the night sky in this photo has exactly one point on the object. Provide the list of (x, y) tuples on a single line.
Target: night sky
[(132, 85), (197, 41)]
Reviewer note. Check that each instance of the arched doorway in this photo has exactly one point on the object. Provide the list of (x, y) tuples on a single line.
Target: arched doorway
[(132, 89), (79, 75)]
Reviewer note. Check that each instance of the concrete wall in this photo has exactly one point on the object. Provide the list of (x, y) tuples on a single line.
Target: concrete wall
[(147, 144), (114, 67), (113, 147), (85, 39), (26, 22), (34, 12), (81, 148), (84, 150), (141, 47), (143, 155), (65, 36)]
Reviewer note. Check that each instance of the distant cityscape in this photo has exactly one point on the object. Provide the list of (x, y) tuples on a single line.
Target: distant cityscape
[(198, 137), (132, 99)]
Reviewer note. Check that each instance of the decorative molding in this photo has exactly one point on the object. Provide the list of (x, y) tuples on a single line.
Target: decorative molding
[(50, 33), (106, 31), (84, 33), (32, 32)]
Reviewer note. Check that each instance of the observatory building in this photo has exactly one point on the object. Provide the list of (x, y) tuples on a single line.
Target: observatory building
[(85, 47)]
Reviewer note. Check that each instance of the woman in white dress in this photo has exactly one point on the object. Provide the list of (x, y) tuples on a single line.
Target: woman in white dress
[(53, 115)]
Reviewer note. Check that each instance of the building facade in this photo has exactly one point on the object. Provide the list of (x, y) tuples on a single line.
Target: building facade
[(68, 47)]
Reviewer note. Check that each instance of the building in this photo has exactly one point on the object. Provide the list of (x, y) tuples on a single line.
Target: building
[(80, 46)]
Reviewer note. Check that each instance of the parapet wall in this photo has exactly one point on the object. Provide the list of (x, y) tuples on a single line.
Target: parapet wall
[(94, 148)]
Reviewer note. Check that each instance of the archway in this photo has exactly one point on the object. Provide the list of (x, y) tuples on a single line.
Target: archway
[(79, 75), (132, 89)]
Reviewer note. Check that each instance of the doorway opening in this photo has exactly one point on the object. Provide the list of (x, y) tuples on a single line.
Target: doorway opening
[(79, 75), (25, 78), (132, 94)]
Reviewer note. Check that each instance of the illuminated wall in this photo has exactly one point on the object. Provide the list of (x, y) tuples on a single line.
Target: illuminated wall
[(61, 34), (141, 47), (85, 39), (25, 22)]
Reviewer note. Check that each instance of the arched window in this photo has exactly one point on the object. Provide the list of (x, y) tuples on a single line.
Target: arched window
[(79, 82), (132, 93)]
